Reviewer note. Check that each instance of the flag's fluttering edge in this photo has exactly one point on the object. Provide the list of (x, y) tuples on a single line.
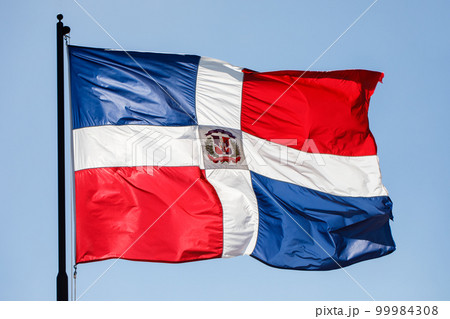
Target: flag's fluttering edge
[(180, 158)]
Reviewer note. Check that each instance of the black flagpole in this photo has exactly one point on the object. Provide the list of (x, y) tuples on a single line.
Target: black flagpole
[(62, 286)]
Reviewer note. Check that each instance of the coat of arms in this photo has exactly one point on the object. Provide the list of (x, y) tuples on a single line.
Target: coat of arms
[(221, 146)]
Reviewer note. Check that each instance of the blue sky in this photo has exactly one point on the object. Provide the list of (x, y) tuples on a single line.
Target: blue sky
[(406, 39)]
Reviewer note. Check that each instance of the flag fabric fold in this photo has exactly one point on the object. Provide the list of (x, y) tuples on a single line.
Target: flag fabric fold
[(181, 158)]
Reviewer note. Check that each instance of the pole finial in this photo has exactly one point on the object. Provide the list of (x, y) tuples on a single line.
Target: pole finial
[(59, 17)]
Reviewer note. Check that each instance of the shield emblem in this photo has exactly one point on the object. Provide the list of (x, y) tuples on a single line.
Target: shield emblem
[(221, 146)]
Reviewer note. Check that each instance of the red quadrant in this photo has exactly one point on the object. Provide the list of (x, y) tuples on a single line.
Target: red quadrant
[(116, 205), (328, 108)]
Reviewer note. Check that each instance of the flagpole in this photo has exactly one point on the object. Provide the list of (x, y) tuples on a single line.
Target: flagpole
[(62, 286)]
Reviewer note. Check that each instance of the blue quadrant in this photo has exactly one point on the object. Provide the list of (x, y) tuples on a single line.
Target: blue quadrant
[(111, 88), (345, 229)]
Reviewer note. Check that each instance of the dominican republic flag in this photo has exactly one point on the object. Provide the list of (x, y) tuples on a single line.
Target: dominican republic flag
[(180, 158)]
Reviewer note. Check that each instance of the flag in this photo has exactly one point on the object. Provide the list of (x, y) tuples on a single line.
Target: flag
[(181, 158)]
